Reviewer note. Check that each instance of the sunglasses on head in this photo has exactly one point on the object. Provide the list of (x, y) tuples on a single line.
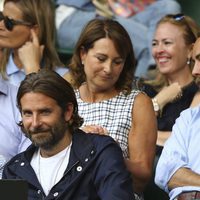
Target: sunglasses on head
[(10, 23), (178, 17)]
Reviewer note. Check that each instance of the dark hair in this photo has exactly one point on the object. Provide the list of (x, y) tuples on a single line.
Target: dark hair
[(105, 28), (51, 84)]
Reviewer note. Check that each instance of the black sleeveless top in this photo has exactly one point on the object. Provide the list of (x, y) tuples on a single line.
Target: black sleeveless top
[(171, 111)]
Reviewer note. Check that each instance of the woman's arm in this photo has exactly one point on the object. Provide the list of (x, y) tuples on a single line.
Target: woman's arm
[(142, 142), (166, 95)]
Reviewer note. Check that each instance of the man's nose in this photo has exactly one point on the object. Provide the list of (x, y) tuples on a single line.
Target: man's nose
[(36, 121), (196, 69)]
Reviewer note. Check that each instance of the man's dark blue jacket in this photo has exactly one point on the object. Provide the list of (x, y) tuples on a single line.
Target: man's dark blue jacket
[(96, 170)]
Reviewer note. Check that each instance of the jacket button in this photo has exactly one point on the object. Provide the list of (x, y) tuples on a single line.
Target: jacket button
[(86, 160), (79, 168), (92, 152), (39, 191), (55, 194), (22, 164)]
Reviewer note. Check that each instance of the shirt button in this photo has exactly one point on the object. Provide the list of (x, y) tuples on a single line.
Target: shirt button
[(79, 168), (22, 164), (55, 194), (86, 160)]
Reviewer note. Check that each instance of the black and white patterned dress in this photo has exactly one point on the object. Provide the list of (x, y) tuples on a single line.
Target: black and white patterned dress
[(114, 114)]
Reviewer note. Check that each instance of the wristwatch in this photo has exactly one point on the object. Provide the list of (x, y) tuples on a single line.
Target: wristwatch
[(155, 104)]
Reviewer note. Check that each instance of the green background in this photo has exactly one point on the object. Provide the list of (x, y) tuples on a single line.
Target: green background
[(191, 8)]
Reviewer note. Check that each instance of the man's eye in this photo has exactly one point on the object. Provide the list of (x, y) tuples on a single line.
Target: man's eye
[(46, 112), (101, 59), (26, 113)]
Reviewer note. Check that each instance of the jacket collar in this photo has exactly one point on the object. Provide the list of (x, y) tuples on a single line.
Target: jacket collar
[(82, 149)]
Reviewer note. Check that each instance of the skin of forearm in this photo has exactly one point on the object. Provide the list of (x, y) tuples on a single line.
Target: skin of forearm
[(140, 174), (184, 177)]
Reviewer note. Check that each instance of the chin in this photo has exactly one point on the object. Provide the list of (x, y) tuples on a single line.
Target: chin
[(164, 70)]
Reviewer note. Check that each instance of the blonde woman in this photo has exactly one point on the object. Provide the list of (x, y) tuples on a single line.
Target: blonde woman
[(25, 24)]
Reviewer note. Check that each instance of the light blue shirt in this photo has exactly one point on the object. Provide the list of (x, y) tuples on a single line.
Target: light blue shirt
[(2, 163), (182, 149), (16, 75), (12, 140)]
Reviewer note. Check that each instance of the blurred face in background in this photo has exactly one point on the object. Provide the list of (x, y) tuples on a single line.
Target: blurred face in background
[(196, 58), (20, 32), (169, 49)]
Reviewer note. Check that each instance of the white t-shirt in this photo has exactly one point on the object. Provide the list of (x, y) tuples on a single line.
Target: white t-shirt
[(50, 170)]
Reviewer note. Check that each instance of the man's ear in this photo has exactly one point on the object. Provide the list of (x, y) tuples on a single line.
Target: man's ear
[(68, 112)]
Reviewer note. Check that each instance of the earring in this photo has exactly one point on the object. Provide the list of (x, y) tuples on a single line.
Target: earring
[(188, 61), (82, 62)]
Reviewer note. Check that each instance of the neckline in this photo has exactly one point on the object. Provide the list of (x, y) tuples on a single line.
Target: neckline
[(189, 84), (61, 160)]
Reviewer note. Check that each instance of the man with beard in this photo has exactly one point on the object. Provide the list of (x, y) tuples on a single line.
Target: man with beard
[(64, 162)]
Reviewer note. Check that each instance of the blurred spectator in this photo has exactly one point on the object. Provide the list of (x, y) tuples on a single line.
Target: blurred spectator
[(179, 165), (12, 140), (24, 24), (139, 20), (174, 89)]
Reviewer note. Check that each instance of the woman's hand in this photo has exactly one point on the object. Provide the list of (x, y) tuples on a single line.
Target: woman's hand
[(95, 129), (168, 94), (31, 53)]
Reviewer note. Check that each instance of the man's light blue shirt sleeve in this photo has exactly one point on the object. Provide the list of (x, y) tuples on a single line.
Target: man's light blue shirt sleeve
[(180, 150)]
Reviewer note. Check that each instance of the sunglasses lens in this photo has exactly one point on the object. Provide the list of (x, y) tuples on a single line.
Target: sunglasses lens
[(8, 23), (178, 17), (1, 16)]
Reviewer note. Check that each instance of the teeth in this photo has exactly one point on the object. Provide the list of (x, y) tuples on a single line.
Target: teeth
[(163, 59)]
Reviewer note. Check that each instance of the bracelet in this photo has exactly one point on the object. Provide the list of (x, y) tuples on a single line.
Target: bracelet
[(155, 104)]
